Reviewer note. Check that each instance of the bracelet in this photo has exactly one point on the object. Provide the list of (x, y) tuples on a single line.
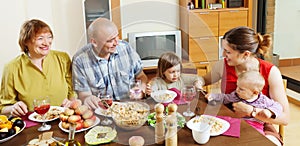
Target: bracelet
[(253, 113)]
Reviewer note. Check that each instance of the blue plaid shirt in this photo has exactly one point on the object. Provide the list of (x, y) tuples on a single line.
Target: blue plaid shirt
[(98, 75)]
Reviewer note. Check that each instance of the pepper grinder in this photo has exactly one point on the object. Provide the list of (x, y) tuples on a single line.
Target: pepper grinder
[(172, 108), (159, 126), (171, 135)]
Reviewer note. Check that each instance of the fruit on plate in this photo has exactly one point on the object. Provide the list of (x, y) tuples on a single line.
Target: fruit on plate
[(81, 109), (99, 135), (10, 126), (74, 118), (69, 112), (79, 114)]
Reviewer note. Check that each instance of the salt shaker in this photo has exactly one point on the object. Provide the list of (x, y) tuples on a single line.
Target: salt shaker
[(172, 108), (159, 126), (171, 135)]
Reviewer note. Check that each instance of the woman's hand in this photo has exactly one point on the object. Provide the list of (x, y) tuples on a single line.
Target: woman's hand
[(242, 109), (19, 109), (199, 84)]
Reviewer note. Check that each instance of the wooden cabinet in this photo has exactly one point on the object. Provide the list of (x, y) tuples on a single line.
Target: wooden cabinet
[(203, 49), (202, 28), (232, 18), (109, 9)]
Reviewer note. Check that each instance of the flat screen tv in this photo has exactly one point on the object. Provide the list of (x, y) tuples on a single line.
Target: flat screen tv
[(150, 45)]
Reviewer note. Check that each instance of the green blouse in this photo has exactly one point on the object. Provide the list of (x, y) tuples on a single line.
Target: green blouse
[(23, 81)]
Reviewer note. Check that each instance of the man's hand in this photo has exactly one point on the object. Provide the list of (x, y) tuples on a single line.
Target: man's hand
[(92, 102)]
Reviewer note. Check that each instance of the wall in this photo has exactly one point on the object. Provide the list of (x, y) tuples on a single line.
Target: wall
[(154, 15), (286, 33), (65, 17)]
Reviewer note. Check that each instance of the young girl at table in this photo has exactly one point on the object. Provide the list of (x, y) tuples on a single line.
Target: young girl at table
[(169, 75), (249, 87)]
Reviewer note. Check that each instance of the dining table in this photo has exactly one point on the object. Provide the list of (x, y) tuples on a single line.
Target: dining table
[(248, 135)]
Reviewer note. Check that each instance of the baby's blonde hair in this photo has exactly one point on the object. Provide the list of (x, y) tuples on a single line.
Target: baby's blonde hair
[(254, 79)]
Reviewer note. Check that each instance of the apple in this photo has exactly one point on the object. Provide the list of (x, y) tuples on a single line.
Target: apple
[(75, 104), (63, 117), (74, 118), (79, 125), (88, 114), (65, 125), (93, 118), (81, 109), (88, 123), (69, 112)]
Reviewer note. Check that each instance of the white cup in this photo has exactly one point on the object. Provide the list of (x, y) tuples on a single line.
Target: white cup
[(202, 134)]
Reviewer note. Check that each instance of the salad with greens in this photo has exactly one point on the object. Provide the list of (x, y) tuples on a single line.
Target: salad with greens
[(180, 119)]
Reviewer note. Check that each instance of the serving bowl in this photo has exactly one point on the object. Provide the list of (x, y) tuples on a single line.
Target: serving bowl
[(163, 96), (130, 115)]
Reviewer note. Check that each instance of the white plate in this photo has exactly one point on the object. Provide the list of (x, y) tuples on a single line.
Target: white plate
[(102, 112), (32, 116), (214, 121), (158, 94), (8, 138), (83, 129)]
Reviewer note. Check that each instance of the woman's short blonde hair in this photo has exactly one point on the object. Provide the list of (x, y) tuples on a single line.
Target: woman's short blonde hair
[(29, 30)]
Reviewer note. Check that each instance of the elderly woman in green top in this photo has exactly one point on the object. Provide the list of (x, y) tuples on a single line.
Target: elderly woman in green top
[(37, 72)]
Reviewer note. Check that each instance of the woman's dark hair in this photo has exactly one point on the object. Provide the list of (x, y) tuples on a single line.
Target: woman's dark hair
[(166, 61), (29, 30), (246, 39)]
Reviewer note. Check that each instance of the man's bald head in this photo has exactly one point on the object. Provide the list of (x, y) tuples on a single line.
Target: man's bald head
[(102, 29)]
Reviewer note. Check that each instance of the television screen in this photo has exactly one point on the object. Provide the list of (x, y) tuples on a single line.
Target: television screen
[(150, 45)]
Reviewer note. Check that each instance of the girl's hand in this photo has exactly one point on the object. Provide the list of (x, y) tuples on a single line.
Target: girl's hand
[(148, 89), (198, 84), (19, 109), (242, 109)]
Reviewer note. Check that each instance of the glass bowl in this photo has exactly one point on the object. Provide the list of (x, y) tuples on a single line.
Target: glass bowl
[(130, 115)]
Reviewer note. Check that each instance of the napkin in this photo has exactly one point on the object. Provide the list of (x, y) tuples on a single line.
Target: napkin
[(235, 126), (28, 122), (177, 100)]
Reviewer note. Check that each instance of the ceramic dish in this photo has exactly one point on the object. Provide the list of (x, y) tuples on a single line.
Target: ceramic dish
[(10, 137), (163, 96), (218, 126), (83, 129), (103, 112), (54, 111)]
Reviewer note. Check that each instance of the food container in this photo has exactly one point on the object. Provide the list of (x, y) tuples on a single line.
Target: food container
[(130, 115), (163, 96)]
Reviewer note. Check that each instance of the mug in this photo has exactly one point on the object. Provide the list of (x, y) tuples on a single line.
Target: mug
[(202, 134)]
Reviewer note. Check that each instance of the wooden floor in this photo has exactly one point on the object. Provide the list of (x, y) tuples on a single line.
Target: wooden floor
[(292, 130)]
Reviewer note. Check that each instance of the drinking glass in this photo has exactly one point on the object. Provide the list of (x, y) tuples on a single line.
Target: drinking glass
[(188, 93), (41, 107), (107, 101), (135, 89)]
